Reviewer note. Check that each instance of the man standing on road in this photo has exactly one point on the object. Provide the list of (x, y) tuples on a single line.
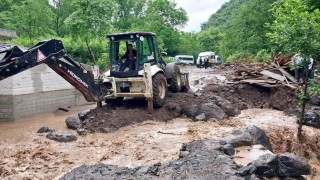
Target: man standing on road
[(131, 57), (206, 62)]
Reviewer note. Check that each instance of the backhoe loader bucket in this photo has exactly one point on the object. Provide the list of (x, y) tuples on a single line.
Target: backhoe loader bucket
[(7, 54)]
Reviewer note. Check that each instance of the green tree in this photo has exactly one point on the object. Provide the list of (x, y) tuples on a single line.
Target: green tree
[(165, 19), (26, 22), (295, 27), (247, 30), (91, 21), (210, 39), (130, 14), (189, 45), (61, 9)]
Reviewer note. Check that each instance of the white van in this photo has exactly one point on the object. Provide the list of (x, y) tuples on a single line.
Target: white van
[(213, 58), (184, 59)]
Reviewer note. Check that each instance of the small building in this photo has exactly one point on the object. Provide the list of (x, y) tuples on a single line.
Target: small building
[(7, 34)]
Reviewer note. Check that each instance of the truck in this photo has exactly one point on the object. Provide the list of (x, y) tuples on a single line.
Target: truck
[(151, 77)]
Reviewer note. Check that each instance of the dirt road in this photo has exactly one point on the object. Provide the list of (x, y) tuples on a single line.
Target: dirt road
[(24, 154)]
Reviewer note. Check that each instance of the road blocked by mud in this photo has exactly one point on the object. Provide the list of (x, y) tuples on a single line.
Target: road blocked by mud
[(133, 143)]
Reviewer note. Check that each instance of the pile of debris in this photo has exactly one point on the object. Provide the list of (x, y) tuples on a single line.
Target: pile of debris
[(263, 74)]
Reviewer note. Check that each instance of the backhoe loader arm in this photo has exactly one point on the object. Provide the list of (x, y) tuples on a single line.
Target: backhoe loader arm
[(52, 53)]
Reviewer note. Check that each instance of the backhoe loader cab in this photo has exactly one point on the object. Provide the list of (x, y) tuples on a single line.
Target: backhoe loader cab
[(141, 72)]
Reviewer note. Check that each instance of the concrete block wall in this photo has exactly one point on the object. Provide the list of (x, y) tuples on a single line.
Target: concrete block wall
[(36, 91)]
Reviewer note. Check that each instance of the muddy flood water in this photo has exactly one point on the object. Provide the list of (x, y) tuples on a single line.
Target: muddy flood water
[(24, 154), (28, 155)]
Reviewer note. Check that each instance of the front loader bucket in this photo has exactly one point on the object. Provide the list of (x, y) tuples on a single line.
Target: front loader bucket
[(185, 82)]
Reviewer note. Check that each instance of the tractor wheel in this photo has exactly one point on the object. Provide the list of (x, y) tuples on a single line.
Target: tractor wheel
[(117, 100), (175, 82), (159, 88)]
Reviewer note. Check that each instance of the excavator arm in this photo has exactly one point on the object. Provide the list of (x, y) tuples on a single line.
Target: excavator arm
[(52, 53)]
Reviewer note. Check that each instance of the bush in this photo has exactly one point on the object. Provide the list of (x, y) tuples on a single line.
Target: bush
[(167, 59), (262, 56), (240, 57)]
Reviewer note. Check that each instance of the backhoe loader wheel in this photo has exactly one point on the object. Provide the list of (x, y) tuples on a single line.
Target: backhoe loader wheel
[(159, 87), (175, 82)]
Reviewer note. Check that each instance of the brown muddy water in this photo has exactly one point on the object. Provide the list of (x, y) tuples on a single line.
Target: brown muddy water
[(28, 155)]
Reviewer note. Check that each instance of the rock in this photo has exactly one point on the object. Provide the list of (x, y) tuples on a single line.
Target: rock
[(107, 130), (237, 139), (44, 130), (228, 149), (81, 131), (154, 169), (247, 136), (83, 115), (226, 106), (175, 108), (211, 110), (246, 170), (290, 165), (73, 123), (201, 117), (142, 170), (184, 154), (315, 100), (191, 110), (266, 165), (259, 137), (60, 137), (311, 119)]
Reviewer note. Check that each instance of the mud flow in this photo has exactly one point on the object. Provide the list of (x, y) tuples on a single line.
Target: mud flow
[(124, 138)]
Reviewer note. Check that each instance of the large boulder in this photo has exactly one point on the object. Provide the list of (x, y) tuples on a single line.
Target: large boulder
[(226, 106), (311, 119), (315, 100), (73, 123), (247, 136), (266, 165), (191, 110), (290, 165), (228, 149), (60, 137), (174, 108), (211, 110)]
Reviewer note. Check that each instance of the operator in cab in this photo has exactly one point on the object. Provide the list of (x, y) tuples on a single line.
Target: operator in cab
[(130, 58)]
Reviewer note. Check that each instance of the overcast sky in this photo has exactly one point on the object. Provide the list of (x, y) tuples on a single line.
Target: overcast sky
[(199, 11)]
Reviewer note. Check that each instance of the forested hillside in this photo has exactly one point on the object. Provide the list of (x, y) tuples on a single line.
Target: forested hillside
[(241, 29), (253, 29)]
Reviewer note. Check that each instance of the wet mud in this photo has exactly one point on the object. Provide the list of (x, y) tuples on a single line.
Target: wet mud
[(140, 146)]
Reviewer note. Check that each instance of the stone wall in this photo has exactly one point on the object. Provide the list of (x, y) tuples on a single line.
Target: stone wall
[(36, 91)]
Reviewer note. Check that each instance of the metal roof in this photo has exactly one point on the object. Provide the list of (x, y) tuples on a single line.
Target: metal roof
[(131, 33)]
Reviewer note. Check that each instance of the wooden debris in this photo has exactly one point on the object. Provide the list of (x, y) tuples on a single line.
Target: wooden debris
[(265, 75), (63, 109), (284, 72), (272, 75)]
